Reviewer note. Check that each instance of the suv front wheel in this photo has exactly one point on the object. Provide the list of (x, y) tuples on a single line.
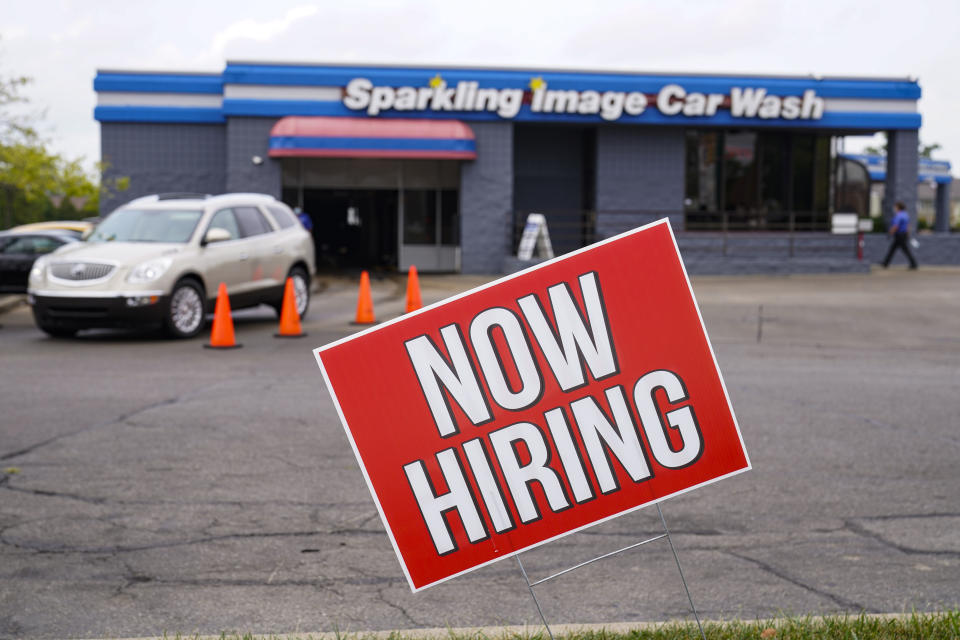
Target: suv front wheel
[(301, 291), (186, 312)]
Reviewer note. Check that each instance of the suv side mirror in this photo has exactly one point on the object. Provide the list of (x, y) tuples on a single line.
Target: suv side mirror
[(216, 234)]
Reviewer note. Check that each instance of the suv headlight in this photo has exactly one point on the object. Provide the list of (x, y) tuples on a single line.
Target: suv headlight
[(38, 272), (149, 270)]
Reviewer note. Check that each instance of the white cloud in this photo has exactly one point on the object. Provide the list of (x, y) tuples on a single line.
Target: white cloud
[(14, 32), (827, 37), (263, 31)]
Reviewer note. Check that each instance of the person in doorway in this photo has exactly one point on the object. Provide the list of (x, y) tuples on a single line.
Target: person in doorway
[(304, 219), (900, 230)]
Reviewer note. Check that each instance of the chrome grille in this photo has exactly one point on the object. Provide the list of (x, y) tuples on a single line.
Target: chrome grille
[(78, 271)]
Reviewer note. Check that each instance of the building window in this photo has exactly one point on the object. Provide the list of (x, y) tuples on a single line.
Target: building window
[(744, 180), (450, 217), (419, 216)]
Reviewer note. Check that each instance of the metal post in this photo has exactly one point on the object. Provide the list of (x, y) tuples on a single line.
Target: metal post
[(792, 229), (300, 183), (680, 569), (534, 595), (723, 221)]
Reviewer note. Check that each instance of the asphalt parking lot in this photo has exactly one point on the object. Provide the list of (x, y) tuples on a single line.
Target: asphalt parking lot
[(154, 486)]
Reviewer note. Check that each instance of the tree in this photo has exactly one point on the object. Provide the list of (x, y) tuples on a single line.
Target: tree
[(925, 150), (14, 127), (37, 184)]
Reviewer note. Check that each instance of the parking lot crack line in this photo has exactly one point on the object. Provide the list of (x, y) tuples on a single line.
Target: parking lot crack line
[(860, 530), (131, 577), (355, 525), (121, 419), (66, 549), (52, 494), (848, 605), (100, 500), (42, 443), (382, 598)]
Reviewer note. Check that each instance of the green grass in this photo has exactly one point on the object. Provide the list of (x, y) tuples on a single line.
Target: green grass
[(918, 626)]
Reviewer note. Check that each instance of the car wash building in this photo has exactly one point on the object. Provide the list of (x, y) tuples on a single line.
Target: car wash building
[(439, 166)]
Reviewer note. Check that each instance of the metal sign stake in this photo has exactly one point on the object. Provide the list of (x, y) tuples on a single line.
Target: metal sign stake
[(534, 595), (680, 571), (676, 557)]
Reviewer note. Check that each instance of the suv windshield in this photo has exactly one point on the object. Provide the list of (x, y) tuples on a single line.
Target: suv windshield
[(153, 225)]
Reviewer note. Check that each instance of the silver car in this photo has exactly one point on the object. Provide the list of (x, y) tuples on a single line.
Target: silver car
[(159, 260)]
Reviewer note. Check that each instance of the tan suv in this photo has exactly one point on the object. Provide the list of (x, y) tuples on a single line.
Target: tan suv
[(158, 260)]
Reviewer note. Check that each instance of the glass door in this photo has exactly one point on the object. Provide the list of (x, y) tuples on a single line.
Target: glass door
[(430, 216)]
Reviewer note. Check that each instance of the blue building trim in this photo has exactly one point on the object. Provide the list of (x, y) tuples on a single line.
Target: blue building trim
[(158, 82), (649, 84), (830, 120), (927, 168), (158, 114), (516, 79)]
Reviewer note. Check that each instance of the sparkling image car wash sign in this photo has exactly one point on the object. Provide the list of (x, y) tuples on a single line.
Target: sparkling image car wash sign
[(535, 406)]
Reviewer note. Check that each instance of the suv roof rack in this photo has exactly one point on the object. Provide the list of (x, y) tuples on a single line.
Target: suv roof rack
[(245, 194), (184, 195)]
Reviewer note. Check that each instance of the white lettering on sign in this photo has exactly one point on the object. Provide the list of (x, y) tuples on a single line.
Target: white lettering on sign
[(756, 103), (574, 338), (457, 375), (458, 498), (362, 95), (671, 100)]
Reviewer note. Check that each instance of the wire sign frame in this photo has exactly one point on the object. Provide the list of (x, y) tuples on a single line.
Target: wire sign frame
[(664, 535)]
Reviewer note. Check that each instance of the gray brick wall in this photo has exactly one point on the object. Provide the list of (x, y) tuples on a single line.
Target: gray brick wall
[(935, 249), (486, 199), (901, 183), (246, 138), (639, 177), (769, 253), (162, 158)]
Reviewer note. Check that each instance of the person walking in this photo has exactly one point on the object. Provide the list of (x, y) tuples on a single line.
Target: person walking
[(304, 219), (900, 230)]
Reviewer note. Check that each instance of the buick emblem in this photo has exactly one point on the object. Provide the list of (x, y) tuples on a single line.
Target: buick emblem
[(77, 270)]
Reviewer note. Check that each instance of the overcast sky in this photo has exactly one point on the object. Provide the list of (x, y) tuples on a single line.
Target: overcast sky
[(61, 44)]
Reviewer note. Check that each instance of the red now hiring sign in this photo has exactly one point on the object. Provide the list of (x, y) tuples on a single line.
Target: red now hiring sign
[(535, 406)]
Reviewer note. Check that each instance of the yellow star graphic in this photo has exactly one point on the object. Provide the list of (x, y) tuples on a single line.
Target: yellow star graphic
[(436, 81), (537, 83)]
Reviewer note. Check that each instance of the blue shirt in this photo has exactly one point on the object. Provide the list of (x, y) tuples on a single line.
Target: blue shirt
[(901, 221), (305, 220)]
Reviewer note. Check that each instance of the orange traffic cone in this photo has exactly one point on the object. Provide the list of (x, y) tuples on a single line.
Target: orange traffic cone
[(221, 335), (365, 302), (413, 290), (289, 318)]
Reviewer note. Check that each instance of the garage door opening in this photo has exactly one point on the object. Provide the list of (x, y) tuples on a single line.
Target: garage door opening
[(382, 194), (379, 214)]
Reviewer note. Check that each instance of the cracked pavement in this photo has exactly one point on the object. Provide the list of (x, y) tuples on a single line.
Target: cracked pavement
[(151, 486)]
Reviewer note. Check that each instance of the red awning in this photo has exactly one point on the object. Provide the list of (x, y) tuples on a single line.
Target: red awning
[(333, 137)]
